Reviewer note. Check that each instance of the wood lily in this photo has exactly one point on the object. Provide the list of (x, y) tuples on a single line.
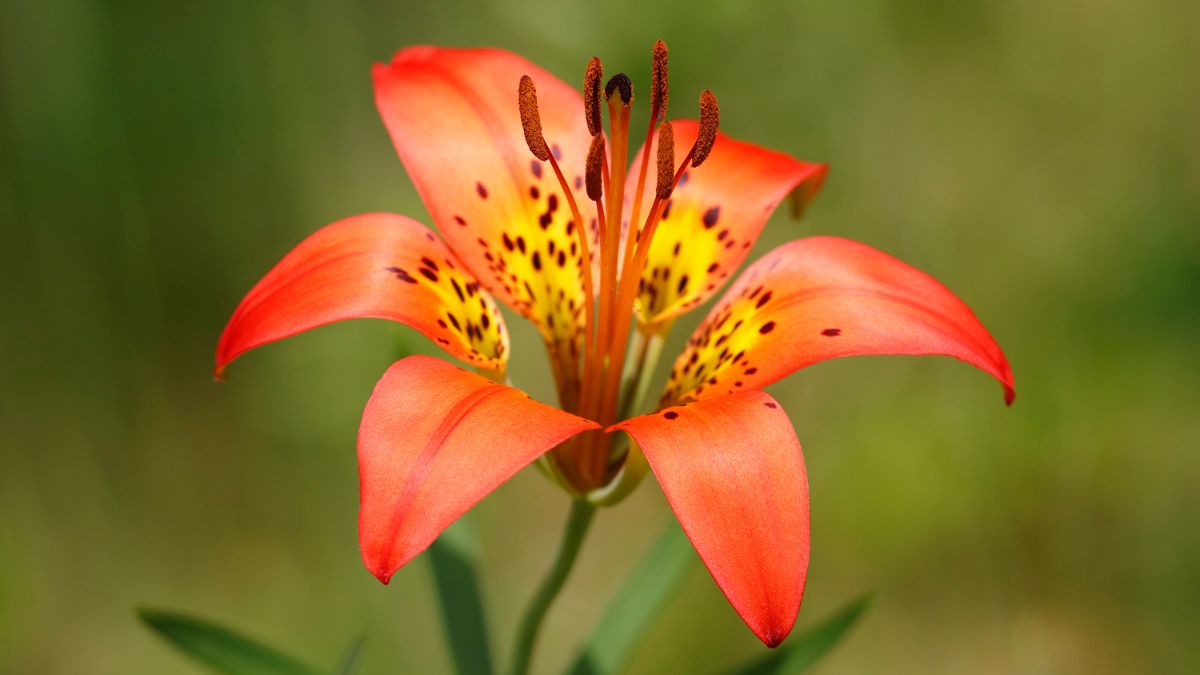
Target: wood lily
[(540, 210)]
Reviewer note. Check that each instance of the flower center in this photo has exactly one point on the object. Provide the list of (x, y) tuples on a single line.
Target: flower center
[(607, 385)]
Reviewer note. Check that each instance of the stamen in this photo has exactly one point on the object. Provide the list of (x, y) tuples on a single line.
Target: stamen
[(658, 80), (531, 121), (666, 161), (710, 118), (658, 112), (594, 175), (591, 95), (620, 82)]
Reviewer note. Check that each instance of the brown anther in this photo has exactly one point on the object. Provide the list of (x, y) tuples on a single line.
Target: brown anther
[(591, 95), (619, 82), (666, 161), (531, 121), (594, 174), (710, 120), (658, 80)]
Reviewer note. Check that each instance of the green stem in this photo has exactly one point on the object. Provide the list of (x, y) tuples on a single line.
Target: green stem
[(568, 549)]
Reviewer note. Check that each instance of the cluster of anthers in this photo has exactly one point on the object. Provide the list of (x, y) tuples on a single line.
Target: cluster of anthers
[(607, 389)]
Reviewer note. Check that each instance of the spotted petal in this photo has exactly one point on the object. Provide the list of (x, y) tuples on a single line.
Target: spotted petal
[(742, 499), (822, 298), (434, 440), (713, 218), (377, 265), (452, 115)]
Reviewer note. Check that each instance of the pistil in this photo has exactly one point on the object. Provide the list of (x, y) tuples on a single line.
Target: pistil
[(608, 310)]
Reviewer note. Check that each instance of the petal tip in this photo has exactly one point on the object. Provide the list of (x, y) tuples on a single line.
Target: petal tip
[(380, 571), (773, 636)]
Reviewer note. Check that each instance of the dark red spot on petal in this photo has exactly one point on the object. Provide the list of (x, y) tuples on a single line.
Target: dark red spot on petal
[(831, 332), (766, 327), (401, 274), (670, 414), (771, 404), (481, 190), (711, 216)]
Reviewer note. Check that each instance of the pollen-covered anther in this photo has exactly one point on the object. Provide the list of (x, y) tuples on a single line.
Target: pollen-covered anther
[(619, 83), (666, 161), (658, 80), (531, 120), (710, 120), (591, 95), (594, 175)]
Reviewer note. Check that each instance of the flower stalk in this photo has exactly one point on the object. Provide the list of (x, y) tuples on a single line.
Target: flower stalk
[(578, 523)]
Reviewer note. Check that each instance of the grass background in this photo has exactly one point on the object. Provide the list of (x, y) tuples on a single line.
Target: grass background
[(1043, 159)]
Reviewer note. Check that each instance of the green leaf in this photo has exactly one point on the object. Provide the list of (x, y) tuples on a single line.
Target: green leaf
[(348, 664), (454, 556), (226, 651), (636, 604), (801, 652)]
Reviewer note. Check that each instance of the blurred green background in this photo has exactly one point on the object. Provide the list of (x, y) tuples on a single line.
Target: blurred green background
[(1043, 159)]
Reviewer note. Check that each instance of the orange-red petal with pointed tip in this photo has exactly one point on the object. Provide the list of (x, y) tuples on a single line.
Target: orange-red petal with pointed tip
[(434, 440), (376, 265), (821, 298), (453, 117), (732, 470), (713, 218)]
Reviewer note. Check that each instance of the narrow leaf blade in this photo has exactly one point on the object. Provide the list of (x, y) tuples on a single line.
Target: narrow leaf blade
[(351, 658), (222, 649), (636, 604), (454, 557), (801, 652)]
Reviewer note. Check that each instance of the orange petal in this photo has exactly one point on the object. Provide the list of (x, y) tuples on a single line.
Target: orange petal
[(377, 265), (742, 498), (822, 298), (434, 440), (452, 114), (713, 218)]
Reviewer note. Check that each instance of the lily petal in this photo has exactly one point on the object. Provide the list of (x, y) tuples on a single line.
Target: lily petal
[(742, 498), (434, 440), (452, 115), (376, 265), (713, 218), (821, 298)]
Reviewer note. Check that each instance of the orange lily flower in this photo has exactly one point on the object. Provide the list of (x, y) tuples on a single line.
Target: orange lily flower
[(549, 235)]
